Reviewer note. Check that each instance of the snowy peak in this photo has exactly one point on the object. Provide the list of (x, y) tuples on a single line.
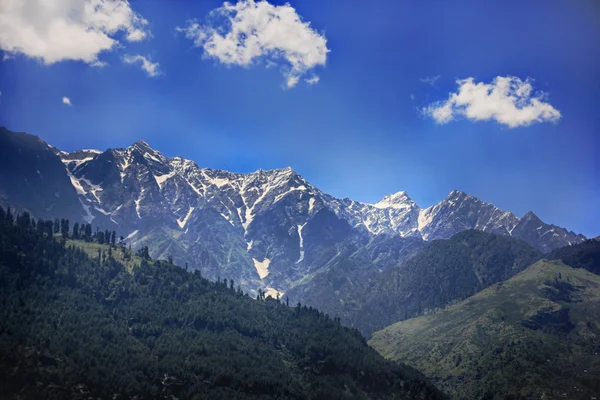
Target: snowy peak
[(461, 211), (143, 149), (78, 157), (397, 200), (141, 146), (175, 186), (456, 196)]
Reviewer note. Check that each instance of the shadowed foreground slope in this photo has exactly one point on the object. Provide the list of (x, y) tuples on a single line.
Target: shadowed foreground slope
[(75, 326)]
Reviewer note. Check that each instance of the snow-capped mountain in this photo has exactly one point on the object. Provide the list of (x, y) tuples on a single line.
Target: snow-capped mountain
[(266, 229)]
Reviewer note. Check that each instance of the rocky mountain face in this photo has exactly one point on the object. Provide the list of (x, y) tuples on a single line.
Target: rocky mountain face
[(267, 229)]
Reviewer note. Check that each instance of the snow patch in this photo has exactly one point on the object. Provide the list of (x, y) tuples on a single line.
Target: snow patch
[(218, 182), (93, 188), (269, 291), (227, 218), (250, 210), (300, 227), (281, 196), (151, 156), (311, 204), (262, 267), (76, 161), (102, 211), (425, 218), (160, 179), (88, 217), (137, 208), (76, 184), (185, 220), (132, 234)]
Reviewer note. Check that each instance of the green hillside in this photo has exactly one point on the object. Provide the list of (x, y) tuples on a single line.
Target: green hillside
[(444, 271), (584, 255), (75, 322), (534, 336)]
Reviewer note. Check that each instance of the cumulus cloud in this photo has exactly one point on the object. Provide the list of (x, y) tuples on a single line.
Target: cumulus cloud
[(250, 32), (507, 100), (152, 69), (58, 30), (67, 101), (430, 80)]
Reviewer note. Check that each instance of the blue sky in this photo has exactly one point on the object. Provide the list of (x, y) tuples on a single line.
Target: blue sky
[(360, 131)]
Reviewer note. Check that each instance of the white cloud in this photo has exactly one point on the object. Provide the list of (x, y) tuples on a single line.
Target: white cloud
[(67, 101), (313, 80), (152, 69), (249, 32), (412, 96), (430, 80), (58, 30), (507, 100)]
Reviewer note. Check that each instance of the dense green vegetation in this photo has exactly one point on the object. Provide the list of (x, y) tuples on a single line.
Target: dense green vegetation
[(535, 336), (79, 326), (444, 271), (584, 255)]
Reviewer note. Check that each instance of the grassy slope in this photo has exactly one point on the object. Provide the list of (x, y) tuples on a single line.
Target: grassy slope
[(125, 256), (531, 336)]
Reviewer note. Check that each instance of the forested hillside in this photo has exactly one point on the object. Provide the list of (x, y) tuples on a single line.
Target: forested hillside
[(534, 336), (444, 271), (120, 325), (584, 255)]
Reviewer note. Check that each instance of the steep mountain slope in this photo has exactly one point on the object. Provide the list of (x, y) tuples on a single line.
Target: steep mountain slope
[(460, 211), (534, 336), (345, 282), (33, 178), (542, 236), (442, 272), (77, 327), (269, 230)]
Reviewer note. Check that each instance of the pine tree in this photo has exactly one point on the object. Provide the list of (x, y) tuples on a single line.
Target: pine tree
[(64, 228), (88, 232)]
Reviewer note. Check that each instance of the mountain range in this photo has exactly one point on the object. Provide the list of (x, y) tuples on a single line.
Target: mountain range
[(269, 229)]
